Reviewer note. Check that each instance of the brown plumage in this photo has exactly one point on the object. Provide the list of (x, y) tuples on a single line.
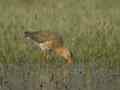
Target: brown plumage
[(50, 41)]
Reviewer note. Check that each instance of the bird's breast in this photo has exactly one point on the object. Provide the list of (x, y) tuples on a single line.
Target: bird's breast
[(44, 46)]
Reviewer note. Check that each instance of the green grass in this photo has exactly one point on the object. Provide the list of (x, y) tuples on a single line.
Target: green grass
[(91, 29)]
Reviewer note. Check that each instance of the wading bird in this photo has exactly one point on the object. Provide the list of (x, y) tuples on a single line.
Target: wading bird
[(50, 41)]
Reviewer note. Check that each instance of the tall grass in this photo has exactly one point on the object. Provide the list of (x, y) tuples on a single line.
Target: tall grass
[(90, 29)]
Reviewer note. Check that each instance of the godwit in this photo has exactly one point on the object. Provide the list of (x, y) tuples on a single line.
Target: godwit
[(50, 41)]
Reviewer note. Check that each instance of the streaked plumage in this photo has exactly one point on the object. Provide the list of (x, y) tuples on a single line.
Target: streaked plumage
[(50, 41)]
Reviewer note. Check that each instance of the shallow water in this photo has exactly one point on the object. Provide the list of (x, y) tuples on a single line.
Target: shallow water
[(57, 77)]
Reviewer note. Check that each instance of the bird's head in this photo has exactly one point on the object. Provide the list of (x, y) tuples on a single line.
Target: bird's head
[(27, 35), (30, 37)]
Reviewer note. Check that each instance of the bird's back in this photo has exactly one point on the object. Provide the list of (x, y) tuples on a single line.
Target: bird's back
[(42, 37)]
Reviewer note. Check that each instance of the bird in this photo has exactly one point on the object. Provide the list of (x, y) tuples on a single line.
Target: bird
[(50, 41)]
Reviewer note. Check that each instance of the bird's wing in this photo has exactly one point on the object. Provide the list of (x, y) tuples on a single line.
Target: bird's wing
[(45, 36)]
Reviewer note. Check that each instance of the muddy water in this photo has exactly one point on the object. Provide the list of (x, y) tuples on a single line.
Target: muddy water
[(57, 77)]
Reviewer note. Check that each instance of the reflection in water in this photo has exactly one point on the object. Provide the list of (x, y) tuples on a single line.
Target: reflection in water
[(57, 77)]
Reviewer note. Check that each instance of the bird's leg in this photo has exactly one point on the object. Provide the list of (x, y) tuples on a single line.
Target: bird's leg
[(45, 56)]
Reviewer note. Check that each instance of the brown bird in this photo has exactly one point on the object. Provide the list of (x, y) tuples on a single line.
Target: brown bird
[(50, 41)]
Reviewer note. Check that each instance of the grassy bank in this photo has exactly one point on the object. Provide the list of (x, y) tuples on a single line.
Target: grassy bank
[(90, 29)]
